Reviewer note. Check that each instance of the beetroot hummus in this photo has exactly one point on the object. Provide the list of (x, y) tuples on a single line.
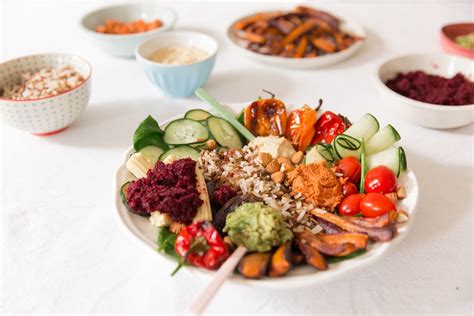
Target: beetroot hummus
[(168, 188), (420, 86)]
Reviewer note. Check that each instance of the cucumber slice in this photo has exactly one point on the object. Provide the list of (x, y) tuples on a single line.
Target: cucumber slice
[(345, 146), (181, 152), (383, 139), (364, 128), (151, 153), (326, 151), (320, 152), (393, 158), (313, 156), (224, 133), (363, 169), (123, 197), (185, 131), (197, 115)]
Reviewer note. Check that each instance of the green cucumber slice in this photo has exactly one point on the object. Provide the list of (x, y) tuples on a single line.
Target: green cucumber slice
[(181, 152), (313, 156), (151, 153), (363, 169), (185, 131), (326, 151), (393, 158), (345, 146), (197, 115), (364, 128), (383, 139), (223, 132), (123, 197)]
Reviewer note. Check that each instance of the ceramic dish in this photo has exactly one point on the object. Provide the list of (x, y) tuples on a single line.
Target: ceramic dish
[(140, 229), (124, 45), (304, 63), (178, 80), (421, 113), (48, 115), (448, 35)]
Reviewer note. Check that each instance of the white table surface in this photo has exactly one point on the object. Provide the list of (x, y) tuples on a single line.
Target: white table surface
[(63, 251)]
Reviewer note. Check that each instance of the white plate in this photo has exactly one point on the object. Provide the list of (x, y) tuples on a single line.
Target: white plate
[(304, 63), (141, 229)]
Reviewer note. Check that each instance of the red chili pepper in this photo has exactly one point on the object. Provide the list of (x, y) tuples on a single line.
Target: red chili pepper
[(328, 126), (201, 245)]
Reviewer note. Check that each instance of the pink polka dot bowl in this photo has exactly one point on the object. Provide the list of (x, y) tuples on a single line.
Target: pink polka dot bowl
[(48, 115)]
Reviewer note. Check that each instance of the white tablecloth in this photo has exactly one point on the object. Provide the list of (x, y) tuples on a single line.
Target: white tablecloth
[(63, 251)]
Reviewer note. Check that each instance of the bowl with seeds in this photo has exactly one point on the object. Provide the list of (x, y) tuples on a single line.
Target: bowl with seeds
[(44, 93)]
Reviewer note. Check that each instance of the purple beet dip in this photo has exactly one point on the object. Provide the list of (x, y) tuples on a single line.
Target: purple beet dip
[(420, 86), (168, 188)]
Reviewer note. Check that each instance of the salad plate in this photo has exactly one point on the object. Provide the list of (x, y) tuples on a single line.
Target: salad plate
[(139, 229)]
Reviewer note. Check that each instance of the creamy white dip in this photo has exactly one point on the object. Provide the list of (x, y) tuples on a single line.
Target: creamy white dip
[(178, 55)]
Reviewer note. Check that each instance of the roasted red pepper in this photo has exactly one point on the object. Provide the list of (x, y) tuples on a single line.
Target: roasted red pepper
[(201, 245), (328, 126), (300, 127)]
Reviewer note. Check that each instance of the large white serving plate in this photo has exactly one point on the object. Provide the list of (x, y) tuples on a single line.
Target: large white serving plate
[(140, 228), (304, 63)]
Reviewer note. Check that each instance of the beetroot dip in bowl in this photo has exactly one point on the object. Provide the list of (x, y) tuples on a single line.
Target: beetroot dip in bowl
[(402, 100)]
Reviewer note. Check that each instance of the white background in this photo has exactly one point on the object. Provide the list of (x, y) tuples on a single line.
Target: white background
[(63, 251)]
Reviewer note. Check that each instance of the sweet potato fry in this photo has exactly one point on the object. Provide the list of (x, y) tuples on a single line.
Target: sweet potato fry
[(324, 44), (298, 31), (329, 18), (242, 24), (376, 222), (251, 37), (375, 234), (323, 247), (313, 257), (281, 261), (301, 47), (358, 240), (254, 265)]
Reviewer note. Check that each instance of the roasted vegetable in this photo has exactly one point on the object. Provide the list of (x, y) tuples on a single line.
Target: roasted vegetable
[(374, 222), (313, 257), (358, 240), (266, 117), (124, 197), (297, 257), (254, 265), (313, 240), (228, 207), (281, 261), (300, 127)]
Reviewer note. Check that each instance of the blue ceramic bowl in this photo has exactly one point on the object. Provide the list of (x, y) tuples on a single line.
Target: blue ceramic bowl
[(178, 80)]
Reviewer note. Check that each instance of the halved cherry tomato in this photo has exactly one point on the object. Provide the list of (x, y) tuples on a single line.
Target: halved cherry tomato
[(381, 180), (350, 205), (349, 188), (350, 168), (266, 117), (300, 127), (376, 204)]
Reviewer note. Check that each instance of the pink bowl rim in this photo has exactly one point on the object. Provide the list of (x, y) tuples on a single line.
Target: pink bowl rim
[(70, 56), (453, 43)]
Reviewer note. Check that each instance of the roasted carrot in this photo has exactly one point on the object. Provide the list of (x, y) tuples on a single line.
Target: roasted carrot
[(301, 47), (324, 44)]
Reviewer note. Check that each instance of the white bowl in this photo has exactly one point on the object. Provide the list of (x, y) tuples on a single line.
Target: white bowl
[(421, 113), (142, 231), (124, 45), (303, 63), (178, 80), (49, 115)]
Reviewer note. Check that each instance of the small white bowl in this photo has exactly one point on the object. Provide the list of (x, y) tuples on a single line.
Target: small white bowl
[(303, 63), (421, 113), (50, 115), (124, 45), (178, 80)]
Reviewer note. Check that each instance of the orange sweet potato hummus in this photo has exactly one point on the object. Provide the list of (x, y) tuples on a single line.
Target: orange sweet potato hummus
[(318, 184)]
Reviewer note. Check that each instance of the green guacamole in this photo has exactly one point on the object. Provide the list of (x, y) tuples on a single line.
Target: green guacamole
[(466, 41), (257, 227)]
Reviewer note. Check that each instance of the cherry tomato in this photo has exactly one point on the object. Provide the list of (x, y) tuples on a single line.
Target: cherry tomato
[(381, 180), (350, 205), (349, 188), (350, 168), (375, 204)]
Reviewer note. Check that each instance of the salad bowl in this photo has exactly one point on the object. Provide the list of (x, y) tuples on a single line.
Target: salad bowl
[(139, 229)]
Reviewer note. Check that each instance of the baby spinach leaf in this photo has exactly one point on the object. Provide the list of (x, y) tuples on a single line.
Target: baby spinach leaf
[(166, 241), (149, 133)]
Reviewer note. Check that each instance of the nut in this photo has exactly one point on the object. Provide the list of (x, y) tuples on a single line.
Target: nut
[(175, 228), (273, 167), (278, 177), (402, 216), (286, 164), (211, 144), (297, 157), (265, 158), (392, 196), (401, 193)]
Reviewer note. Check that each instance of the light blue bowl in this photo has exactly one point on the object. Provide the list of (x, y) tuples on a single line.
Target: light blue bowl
[(178, 80)]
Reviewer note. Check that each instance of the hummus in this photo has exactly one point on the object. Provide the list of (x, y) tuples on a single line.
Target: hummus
[(274, 145), (178, 55), (318, 184)]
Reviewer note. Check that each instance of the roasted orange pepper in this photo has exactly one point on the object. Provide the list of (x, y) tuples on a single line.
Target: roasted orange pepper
[(300, 127), (266, 117)]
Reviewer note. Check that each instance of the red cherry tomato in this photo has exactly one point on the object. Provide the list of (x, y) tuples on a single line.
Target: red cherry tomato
[(350, 168), (381, 180), (376, 204), (349, 188), (350, 205)]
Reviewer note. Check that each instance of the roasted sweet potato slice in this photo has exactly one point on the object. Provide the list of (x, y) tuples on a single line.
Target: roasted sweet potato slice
[(313, 256), (301, 47), (324, 44), (375, 234), (358, 240), (323, 247), (297, 257), (304, 27), (281, 261), (254, 265), (376, 222), (242, 24)]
